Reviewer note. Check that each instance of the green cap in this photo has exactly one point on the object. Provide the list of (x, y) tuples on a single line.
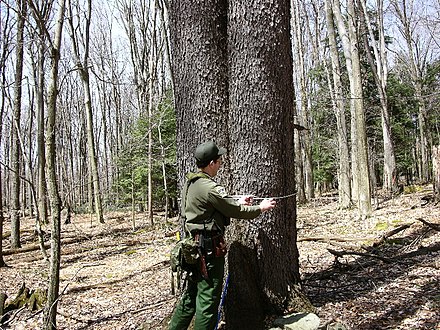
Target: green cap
[(207, 151)]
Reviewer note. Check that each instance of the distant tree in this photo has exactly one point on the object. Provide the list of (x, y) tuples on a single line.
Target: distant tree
[(348, 33), (401, 103), (39, 72), (80, 36), (338, 104), (6, 50), (436, 171), (416, 56), (303, 140), (375, 49), (16, 151), (133, 160)]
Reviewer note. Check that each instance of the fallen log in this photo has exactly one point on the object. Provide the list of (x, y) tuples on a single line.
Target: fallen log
[(35, 247)]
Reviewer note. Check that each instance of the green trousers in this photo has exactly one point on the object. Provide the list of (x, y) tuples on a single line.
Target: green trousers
[(201, 298)]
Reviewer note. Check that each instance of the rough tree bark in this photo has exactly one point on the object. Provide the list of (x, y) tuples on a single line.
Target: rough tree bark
[(199, 65), (263, 258)]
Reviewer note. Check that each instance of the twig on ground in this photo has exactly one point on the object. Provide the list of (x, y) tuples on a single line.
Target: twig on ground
[(329, 239), (429, 224), (344, 253), (387, 235)]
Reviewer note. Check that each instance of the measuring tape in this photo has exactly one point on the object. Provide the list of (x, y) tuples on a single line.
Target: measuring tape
[(260, 198)]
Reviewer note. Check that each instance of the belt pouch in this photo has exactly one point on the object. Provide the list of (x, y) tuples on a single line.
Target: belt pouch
[(220, 248)]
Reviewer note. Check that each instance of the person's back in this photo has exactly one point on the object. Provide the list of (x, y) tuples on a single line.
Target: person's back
[(207, 209)]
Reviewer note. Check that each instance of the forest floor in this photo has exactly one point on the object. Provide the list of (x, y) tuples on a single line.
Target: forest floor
[(115, 278)]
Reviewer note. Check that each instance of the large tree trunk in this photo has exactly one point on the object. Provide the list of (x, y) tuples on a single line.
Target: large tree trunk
[(199, 65), (263, 258), (55, 202), (335, 83), (260, 140)]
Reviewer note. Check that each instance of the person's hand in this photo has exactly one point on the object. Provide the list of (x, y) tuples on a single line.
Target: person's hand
[(246, 200), (267, 204)]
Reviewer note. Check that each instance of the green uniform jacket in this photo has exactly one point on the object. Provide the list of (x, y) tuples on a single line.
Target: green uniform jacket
[(206, 205)]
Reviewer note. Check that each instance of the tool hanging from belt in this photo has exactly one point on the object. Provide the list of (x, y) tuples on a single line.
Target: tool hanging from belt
[(210, 245)]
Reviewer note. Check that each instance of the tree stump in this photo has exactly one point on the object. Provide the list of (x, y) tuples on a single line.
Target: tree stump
[(32, 299)]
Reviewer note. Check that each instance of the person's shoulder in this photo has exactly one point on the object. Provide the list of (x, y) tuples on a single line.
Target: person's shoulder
[(205, 182), (220, 190)]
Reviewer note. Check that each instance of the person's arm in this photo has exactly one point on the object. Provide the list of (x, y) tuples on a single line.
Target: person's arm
[(231, 208), (265, 205)]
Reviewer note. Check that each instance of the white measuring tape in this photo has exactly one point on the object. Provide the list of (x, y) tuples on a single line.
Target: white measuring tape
[(260, 198)]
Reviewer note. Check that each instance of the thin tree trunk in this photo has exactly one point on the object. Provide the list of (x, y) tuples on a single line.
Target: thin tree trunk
[(5, 40), (2, 262), (364, 190), (360, 166), (55, 202), (15, 145), (436, 171), (42, 185), (83, 67), (164, 172), (303, 110), (379, 66), (152, 77), (300, 175), (423, 133), (133, 201), (338, 104)]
